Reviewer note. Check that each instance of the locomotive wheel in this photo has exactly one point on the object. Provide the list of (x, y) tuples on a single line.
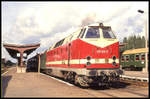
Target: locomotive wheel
[(65, 76), (69, 76), (48, 71), (81, 81)]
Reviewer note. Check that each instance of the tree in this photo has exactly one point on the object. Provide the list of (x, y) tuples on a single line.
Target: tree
[(133, 42), (125, 41), (143, 41), (130, 43), (139, 43)]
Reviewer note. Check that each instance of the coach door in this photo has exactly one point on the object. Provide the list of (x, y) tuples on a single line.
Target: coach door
[(69, 52)]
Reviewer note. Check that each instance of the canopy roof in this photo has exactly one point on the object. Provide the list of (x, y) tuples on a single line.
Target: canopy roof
[(13, 49), (134, 51)]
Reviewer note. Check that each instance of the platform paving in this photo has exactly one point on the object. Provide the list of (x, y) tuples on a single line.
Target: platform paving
[(36, 85), (136, 74), (33, 84)]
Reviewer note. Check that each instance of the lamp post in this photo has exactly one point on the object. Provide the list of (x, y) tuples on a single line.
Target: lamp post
[(146, 53)]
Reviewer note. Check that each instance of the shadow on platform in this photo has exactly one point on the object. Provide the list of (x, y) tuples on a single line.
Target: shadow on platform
[(31, 70), (115, 85), (5, 81)]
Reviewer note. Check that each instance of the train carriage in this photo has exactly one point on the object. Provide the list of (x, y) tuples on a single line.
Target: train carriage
[(89, 55), (32, 64), (133, 59)]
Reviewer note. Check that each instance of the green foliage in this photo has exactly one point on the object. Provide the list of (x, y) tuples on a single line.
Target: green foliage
[(143, 40), (133, 42)]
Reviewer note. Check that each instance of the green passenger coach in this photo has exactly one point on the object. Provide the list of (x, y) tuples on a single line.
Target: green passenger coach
[(133, 59)]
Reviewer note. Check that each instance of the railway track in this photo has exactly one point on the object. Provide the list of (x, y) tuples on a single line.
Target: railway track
[(134, 78), (121, 89), (122, 92), (132, 87), (135, 82)]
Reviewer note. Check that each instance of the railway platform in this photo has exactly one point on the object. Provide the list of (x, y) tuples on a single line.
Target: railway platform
[(33, 84), (136, 75)]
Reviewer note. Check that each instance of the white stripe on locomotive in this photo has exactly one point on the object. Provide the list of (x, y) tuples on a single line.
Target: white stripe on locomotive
[(83, 61)]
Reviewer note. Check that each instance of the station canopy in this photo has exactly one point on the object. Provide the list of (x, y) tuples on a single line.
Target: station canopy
[(13, 49)]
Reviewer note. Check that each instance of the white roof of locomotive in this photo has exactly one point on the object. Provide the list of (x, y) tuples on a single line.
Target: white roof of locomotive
[(94, 24), (97, 24), (67, 39)]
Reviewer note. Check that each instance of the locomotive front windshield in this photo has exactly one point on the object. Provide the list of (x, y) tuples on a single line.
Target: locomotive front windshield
[(92, 33), (107, 33)]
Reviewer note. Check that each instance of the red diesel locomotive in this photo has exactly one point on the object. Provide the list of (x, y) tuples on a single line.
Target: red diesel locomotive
[(88, 56)]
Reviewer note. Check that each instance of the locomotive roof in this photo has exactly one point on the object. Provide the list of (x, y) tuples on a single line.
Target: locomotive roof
[(134, 51), (75, 33), (101, 25)]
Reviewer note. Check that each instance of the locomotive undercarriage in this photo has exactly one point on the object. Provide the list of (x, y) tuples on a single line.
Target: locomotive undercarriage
[(101, 80), (98, 78)]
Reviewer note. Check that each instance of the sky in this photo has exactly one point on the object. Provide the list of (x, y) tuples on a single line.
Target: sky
[(49, 22)]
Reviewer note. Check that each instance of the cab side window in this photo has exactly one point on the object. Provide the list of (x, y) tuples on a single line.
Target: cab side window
[(83, 32), (80, 33)]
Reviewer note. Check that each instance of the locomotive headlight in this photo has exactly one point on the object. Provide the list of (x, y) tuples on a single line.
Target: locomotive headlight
[(88, 63), (114, 64), (114, 57), (88, 58)]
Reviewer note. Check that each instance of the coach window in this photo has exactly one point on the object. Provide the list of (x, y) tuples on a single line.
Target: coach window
[(62, 42), (122, 58), (143, 57), (137, 57), (132, 57), (59, 43), (92, 33), (127, 58)]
